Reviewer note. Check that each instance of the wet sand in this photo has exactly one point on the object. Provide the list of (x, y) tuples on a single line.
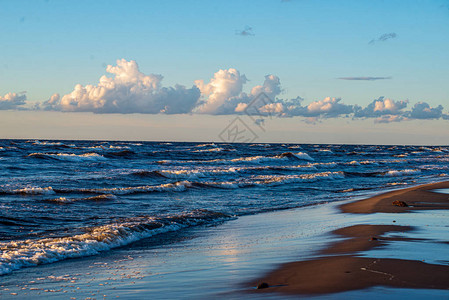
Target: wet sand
[(218, 262), (340, 267)]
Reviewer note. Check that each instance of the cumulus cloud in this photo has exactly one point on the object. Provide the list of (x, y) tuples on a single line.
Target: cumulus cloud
[(422, 110), (248, 31), (12, 101), (224, 94), (221, 93), (328, 107), (385, 110), (384, 37), (128, 91), (368, 78), (380, 107), (53, 103), (390, 119)]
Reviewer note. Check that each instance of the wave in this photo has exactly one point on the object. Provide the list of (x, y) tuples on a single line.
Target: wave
[(209, 150), (28, 253), (29, 191), (47, 143), (395, 173), (193, 173), (106, 147), (206, 145), (182, 186), (282, 179), (204, 172), (263, 180), (324, 150), (69, 156), (359, 163), (390, 173), (103, 197), (123, 153), (249, 159), (325, 165), (168, 187)]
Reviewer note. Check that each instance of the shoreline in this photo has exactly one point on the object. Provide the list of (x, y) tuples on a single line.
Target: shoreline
[(342, 267), (217, 258)]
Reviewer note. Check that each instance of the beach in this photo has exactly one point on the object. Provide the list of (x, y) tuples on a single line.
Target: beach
[(165, 220), (346, 265), (228, 261)]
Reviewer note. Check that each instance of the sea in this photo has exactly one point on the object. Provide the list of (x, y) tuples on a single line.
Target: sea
[(70, 199)]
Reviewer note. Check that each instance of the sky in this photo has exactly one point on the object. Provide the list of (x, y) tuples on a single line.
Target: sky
[(298, 71)]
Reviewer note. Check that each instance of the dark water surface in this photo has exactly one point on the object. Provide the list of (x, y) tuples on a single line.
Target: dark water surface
[(63, 199)]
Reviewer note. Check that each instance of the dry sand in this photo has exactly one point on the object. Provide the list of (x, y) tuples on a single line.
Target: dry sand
[(339, 268)]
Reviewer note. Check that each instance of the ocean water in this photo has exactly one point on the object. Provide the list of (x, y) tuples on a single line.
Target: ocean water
[(68, 199)]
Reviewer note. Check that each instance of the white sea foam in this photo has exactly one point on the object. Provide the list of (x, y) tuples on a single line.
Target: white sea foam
[(31, 190), (106, 147), (302, 155), (325, 165), (102, 197), (214, 171), (282, 179), (70, 156), (262, 180), (283, 156), (210, 150), (397, 183), (195, 173), (206, 145), (172, 187), (395, 173), (48, 143), (248, 159), (61, 200), (325, 150), (15, 255)]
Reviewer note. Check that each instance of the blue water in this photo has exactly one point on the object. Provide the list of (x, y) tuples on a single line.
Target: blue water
[(65, 199)]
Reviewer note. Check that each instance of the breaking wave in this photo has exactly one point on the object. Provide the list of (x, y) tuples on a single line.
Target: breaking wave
[(69, 156), (28, 253), (249, 159), (28, 191)]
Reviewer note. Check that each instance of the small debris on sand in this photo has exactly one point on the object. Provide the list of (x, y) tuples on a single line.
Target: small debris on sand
[(400, 203), (262, 285)]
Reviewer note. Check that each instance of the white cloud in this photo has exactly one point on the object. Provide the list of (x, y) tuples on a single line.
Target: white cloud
[(224, 93), (328, 107), (390, 119), (422, 110), (53, 103), (12, 101), (225, 86), (380, 107), (128, 91)]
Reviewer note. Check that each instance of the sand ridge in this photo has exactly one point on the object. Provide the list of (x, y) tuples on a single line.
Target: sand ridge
[(337, 268)]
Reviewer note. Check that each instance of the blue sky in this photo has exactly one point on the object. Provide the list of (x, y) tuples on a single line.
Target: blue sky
[(50, 46)]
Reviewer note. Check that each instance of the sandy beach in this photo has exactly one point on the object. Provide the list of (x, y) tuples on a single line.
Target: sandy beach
[(349, 264), (338, 255)]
